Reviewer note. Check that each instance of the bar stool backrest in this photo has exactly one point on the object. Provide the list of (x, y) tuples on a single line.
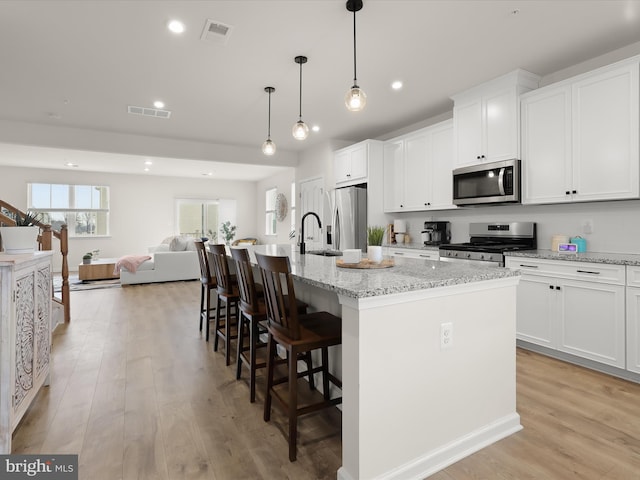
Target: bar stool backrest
[(206, 275), (246, 281), (221, 268), (278, 289)]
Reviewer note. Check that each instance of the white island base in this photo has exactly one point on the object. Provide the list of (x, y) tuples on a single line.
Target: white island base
[(412, 407)]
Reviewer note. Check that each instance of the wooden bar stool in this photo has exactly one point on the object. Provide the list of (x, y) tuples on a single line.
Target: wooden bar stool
[(297, 334), (228, 295), (208, 284), (253, 312)]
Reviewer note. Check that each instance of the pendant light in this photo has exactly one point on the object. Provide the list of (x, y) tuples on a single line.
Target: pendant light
[(268, 147), (300, 130), (355, 99)]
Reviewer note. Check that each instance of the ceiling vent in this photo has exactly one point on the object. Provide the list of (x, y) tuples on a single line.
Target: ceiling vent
[(216, 32), (148, 112)]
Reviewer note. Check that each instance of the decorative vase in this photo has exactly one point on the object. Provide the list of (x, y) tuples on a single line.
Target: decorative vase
[(17, 240), (374, 253)]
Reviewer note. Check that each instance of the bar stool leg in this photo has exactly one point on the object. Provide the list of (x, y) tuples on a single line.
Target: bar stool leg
[(293, 404), (241, 321), (270, 367), (253, 346), (215, 340), (325, 373)]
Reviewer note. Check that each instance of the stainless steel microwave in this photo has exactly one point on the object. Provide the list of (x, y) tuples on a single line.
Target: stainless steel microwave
[(486, 183)]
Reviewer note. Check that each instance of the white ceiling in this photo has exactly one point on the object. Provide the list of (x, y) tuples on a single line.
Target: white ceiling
[(69, 69)]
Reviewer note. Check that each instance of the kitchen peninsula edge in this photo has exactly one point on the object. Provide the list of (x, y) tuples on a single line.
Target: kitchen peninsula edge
[(411, 407)]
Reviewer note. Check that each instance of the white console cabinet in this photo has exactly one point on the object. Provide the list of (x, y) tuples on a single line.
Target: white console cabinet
[(25, 336), (580, 137), (573, 307)]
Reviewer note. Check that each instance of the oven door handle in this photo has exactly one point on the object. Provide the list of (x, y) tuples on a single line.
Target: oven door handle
[(501, 181)]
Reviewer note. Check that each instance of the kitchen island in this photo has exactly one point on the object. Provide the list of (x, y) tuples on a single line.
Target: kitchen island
[(414, 399)]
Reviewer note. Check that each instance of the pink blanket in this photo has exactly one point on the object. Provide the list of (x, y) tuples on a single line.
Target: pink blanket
[(130, 262)]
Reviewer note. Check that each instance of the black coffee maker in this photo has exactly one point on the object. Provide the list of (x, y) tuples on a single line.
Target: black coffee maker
[(436, 233)]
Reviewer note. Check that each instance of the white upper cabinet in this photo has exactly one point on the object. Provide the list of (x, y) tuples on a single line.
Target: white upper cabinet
[(417, 170), (580, 137), (487, 117), (351, 164)]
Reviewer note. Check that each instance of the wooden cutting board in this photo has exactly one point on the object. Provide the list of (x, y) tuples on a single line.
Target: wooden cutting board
[(366, 263)]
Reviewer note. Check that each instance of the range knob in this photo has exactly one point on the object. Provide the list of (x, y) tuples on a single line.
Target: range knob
[(482, 257), (468, 255)]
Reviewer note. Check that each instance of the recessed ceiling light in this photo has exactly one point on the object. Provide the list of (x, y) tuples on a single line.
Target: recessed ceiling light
[(397, 85), (208, 174), (148, 162), (146, 169), (316, 128), (176, 26), (70, 164), (158, 104)]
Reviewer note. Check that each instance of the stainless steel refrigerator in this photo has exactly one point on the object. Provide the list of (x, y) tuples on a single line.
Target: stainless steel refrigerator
[(349, 218)]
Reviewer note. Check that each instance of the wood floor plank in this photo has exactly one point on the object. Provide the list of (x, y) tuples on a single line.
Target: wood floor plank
[(138, 394)]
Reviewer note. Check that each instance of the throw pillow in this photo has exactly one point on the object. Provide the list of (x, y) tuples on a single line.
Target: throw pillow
[(178, 244)]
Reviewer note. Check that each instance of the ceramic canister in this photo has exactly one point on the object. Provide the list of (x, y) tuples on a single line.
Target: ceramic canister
[(581, 243), (557, 240)]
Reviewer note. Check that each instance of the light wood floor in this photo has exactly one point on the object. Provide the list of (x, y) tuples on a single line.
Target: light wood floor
[(139, 394)]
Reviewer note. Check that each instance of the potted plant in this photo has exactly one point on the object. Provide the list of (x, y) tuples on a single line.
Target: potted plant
[(24, 238), (86, 258), (375, 234), (228, 232)]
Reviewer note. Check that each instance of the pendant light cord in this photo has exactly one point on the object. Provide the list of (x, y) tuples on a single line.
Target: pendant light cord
[(355, 77), (269, 121), (300, 103)]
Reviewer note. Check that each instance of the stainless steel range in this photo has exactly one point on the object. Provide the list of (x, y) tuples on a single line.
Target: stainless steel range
[(489, 241)]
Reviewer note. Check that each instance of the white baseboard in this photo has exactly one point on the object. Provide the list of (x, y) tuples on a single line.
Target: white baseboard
[(440, 458)]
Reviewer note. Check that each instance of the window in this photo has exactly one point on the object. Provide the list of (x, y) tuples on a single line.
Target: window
[(198, 218), (270, 211), (84, 208)]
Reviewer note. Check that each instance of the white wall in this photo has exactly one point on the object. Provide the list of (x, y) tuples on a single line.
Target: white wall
[(282, 182), (616, 225), (142, 210)]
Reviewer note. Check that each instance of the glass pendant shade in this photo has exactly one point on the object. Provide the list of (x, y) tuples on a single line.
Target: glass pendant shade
[(300, 130), (355, 99), (268, 147)]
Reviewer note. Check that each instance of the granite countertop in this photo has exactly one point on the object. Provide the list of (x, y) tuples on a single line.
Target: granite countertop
[(405, 276), (587, 257)]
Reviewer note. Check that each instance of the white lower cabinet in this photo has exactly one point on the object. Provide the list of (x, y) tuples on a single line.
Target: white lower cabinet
[(573, 307), (633, 319), (414, 253)]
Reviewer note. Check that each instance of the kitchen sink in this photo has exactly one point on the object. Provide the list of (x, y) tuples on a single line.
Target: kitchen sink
[(325, 253)]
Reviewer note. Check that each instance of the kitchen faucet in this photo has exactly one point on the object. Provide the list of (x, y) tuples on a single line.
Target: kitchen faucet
[(302, 246)]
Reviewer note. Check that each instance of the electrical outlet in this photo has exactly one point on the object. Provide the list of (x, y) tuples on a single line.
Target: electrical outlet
[(587, 226), (446, 335)]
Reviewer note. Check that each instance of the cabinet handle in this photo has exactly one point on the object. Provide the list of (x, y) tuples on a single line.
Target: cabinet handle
[(589, 272), (401, 206), (550, 287), (567, 192), (574, 191), (425, 256), (348, 174), (398, 253), (557, 288), (529, 266), (478, 157)]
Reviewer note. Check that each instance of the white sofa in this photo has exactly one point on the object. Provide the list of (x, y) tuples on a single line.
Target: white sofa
[(165, 266)]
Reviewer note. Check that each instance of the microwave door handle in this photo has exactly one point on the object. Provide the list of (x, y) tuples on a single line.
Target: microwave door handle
[(501, 181)]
